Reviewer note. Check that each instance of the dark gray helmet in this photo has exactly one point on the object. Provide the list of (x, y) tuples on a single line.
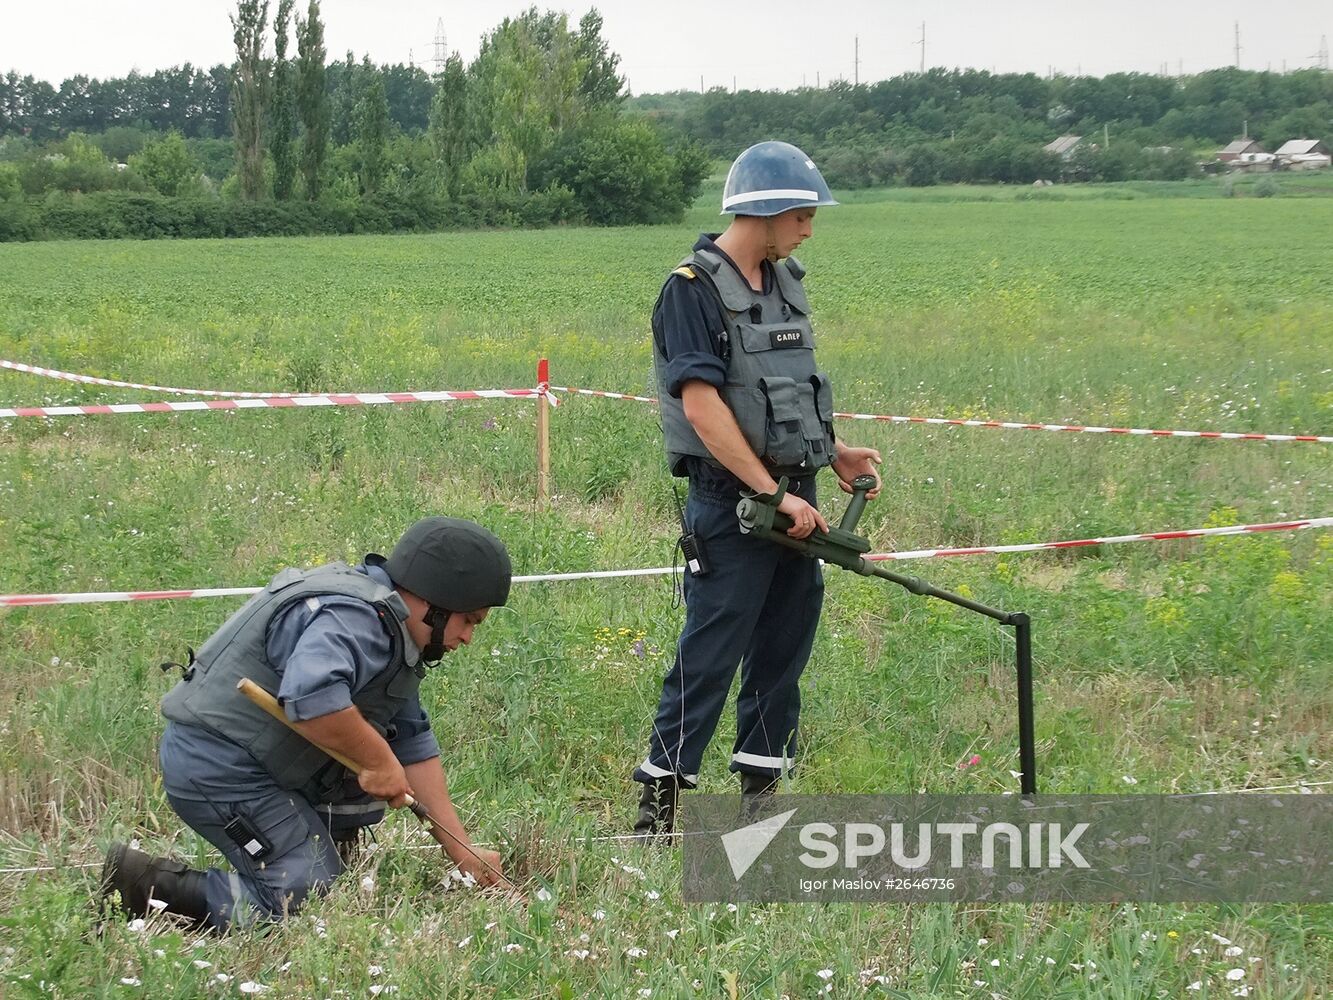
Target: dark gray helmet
[(453, 564), (770, 178)]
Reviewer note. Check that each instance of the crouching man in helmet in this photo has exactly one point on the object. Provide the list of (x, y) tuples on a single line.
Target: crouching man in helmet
[(344, 649), (742, 404)]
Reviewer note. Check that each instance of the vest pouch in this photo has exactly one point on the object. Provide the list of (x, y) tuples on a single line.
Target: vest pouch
[(824, 406), (750, 409), (788, 403)]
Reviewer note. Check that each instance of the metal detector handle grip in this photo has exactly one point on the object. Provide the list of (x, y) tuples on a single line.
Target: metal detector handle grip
[(861, 486)]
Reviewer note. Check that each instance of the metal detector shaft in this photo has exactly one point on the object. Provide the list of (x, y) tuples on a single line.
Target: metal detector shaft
[(841, 546)]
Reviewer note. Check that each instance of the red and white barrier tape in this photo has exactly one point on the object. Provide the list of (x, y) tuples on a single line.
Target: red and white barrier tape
[(116, 383), (1152, 536), (267, 398), (27, 600), (1012, 425), (277, 402)]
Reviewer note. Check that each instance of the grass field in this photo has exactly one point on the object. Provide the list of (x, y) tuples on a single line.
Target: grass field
[(1175, 667)]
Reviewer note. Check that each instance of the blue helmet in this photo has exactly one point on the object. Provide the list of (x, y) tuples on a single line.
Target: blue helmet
[(770, 178)]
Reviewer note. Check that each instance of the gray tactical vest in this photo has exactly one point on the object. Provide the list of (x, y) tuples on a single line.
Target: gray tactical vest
[(782, 403), (207, 697)]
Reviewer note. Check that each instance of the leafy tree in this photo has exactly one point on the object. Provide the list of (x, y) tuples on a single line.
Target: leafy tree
[(344, 88), (371, 125), (120, 142), (10, 187), (247, 95), (167, 165), (311, 97), (921, 165), (448, 124), (600, 85), (620, 172), (282, 121)]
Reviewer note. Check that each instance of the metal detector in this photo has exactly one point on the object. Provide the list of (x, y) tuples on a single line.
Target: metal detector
[(841, 546)]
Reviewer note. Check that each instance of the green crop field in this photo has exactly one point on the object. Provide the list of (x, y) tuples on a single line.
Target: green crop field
[(1180, 666)]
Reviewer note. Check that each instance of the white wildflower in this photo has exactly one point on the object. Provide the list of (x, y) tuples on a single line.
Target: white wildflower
[(368, 883), (492, 925), (543, 895), (994, 963), (645, 993), (158, 904), (511, 949), (1235, 975), (250, 987), (1129, 779), (465, 942), (1232, 952), (579, 953), (222, 977), (1220, 939), (129, 981), (825, 974), (672, 933), (982, 942), (599, 914), (636, 952), (199, 963), (376, 970), (653, 895), (137, 925), (1195, 986)]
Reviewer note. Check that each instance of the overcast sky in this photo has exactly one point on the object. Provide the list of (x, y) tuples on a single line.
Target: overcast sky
[(667, 46)]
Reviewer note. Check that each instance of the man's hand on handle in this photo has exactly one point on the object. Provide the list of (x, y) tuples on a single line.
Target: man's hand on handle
[(853, 462), (388, 782), (805, 519)]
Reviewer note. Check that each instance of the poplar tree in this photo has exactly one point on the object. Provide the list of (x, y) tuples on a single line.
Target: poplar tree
[(312, 101), (283, 108), (371, 125), (247, 94)]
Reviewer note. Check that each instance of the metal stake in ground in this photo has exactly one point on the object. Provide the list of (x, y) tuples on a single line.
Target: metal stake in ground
[(270, 705), (841, 546)]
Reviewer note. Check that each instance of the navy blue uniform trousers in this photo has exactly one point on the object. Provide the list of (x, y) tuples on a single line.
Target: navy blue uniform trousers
[(757, 608), (303, 857)]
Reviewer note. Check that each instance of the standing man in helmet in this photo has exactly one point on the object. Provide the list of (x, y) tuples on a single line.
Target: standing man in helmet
[(742, 403), (344, 650)]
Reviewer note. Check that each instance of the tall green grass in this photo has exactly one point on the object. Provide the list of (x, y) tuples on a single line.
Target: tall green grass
[(1184, 666)]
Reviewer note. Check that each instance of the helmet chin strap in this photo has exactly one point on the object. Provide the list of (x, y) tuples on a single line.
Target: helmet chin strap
[(771, 253), (438, 620)]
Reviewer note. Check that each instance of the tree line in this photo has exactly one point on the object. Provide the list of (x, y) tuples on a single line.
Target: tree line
[(972, 125), (538, 129), (529, 133)]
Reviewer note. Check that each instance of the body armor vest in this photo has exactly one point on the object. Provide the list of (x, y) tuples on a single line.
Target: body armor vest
[(207, 696), (782, 403)]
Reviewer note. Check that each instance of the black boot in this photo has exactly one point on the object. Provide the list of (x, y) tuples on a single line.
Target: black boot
[(756, 791), (657, 808), (131, 878)]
